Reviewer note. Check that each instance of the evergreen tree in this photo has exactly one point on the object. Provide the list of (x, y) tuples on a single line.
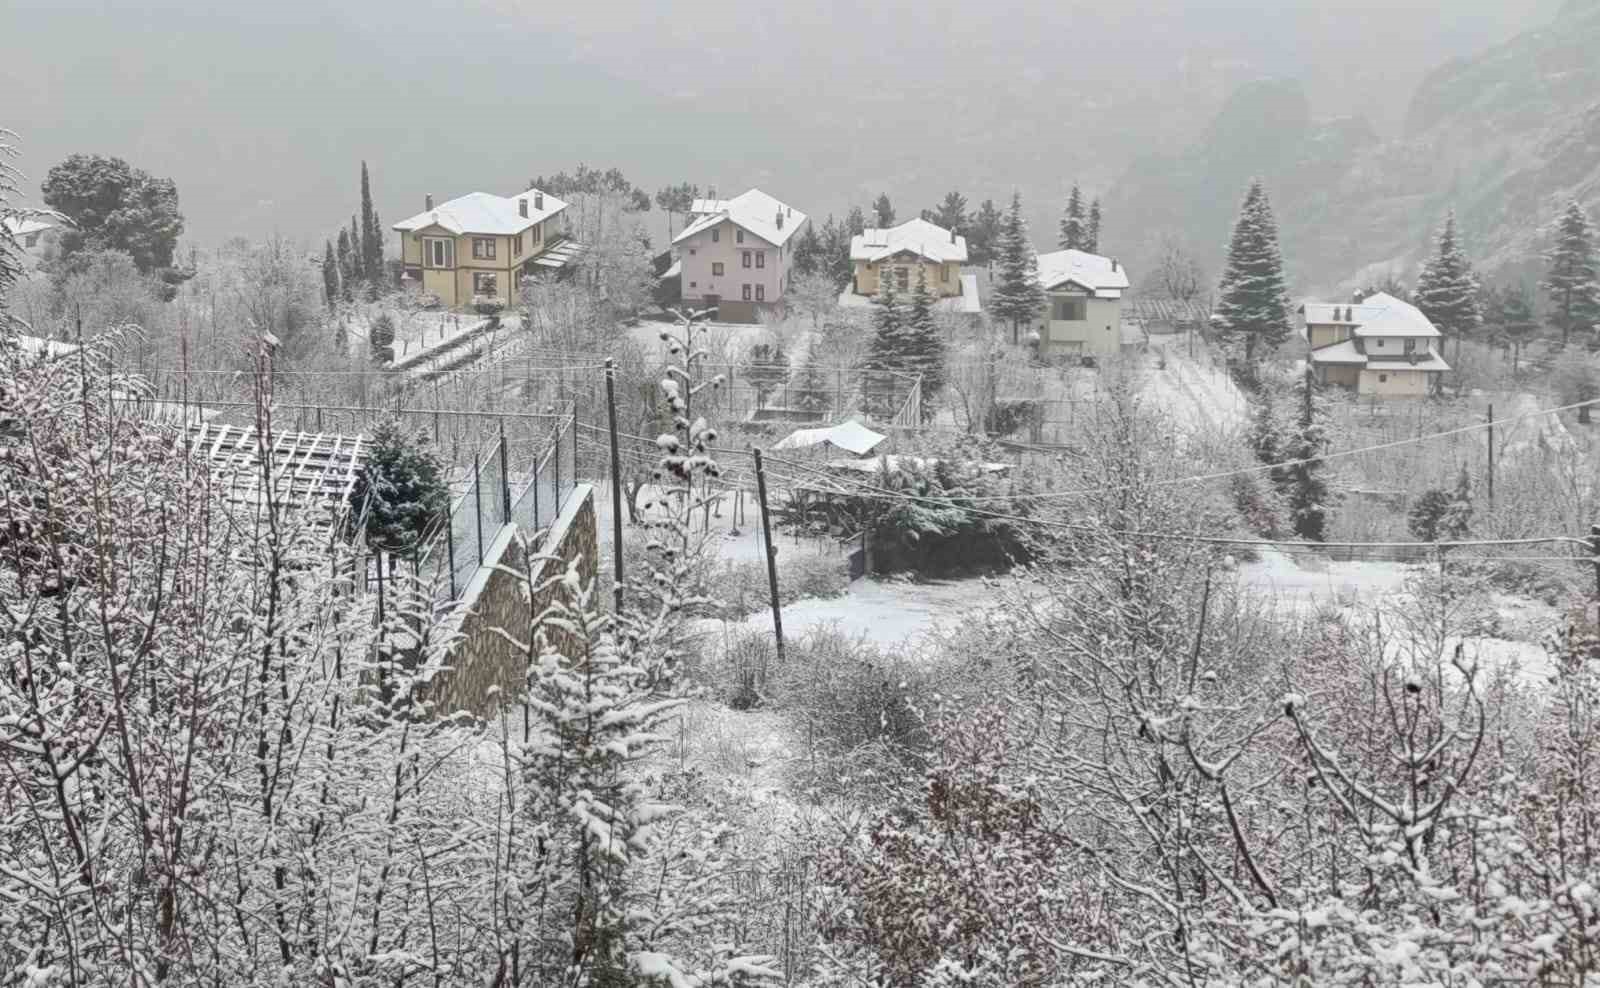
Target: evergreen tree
[(810, 390), (952, 212), (808, 250), (400, 493), (341, 338), (887, 347), (1092, 231), (330, 275), (854, 222), (1074, 234), (1252, 303), (1303, 477), (1017, 295), (923, 346), (883, 211), (1447, 291), (983, 240), (344, 256), (1510, 314), (1439, 514), (767, 369), (1572, 281), (371, 233), (358, 258), (380, 338), (836, 251)]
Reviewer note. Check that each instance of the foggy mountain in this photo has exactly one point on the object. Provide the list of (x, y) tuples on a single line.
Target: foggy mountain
[(262, 112)]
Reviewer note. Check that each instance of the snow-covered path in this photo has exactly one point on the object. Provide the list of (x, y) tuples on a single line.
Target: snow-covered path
[(1193, 392)]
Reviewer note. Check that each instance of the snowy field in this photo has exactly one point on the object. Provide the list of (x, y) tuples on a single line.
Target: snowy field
[(1191, 390)]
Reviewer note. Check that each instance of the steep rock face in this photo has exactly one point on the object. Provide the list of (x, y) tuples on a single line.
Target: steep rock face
[(1506, 137)]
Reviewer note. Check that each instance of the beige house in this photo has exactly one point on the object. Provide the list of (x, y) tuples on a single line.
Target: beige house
[(737, 255), (29, 233), (900, 251), (1382, 347), (482, 246), (1082, 314)]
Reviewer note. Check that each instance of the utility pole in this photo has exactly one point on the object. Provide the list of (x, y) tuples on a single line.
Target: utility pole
[(1594, 549), (1491, 456), (616, 483), (772, 554)]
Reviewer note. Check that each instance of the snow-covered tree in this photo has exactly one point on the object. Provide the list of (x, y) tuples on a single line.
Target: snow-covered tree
[(380, 338), (1447, 290), (952, 212), (1091, 230), (345, 257), (330, 276), (985, 233), (1074, 232), (399, 496), (883, 211), (1442, 514), (1572, 280), (1017, 296), (923, 344), (1252, 303), (766, 367), (1304, 480)]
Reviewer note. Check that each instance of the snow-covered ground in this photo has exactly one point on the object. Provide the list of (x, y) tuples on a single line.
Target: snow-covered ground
[(887, 613), (1191, 390)]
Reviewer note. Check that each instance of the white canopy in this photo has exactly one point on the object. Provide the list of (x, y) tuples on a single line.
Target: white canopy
[(852, 437)]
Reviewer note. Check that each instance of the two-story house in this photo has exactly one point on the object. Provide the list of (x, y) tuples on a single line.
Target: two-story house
[(899, 251), (481, 246), (1082, 313), (1381, 346), (737, 255)]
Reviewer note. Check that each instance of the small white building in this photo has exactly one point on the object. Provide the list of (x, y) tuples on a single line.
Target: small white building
[(1082, 314), (29, 232)]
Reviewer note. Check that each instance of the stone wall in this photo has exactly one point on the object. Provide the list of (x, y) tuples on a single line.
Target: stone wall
[(485, 669)]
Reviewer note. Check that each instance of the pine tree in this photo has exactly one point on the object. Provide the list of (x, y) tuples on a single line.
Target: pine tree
[(1303, 477), (983, 240), (952, 212), (1572, 280), (836, 251), (1252, 302), (1074, 236), (330, 275), (767, 369), (924, 348), (887, 347), (345, 258), (380, 338), (1092, 231), (1017, 295), (810, 390), (1447, 291), (883, 211), (1511, 313), (854, 222), (808, 250), (400, 493)]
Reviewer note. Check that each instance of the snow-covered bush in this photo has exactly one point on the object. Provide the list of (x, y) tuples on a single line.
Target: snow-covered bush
[(399, 495)]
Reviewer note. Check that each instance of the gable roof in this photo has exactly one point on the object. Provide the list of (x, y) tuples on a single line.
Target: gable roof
[(1377, 315), (1350, 353), (754, 211), (1101, 276), (483, 212), (19, 226), (918, 236)]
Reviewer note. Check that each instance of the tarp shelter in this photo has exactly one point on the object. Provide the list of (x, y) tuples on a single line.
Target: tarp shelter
[(851, 437)]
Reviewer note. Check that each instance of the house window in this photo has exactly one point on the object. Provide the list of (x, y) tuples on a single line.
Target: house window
[(761, 258), (944, 273), (30, 240), (716, 267), (691, 251), (694, 284), (903, 278), (483, 248), (1411, 346), (761, 293), (516, 246), (747, 293), (485, 283), (744, 259), (439, 252), (1069, 309), (738, 236), (716, 236), (1380, 343), (1383, 378)]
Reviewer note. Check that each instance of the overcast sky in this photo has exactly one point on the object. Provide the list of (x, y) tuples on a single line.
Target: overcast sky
[(262, 111)]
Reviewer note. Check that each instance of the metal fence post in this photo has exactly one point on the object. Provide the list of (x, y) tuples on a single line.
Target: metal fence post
[(477, 503), (450, 546), (505, 478), (555, 461)]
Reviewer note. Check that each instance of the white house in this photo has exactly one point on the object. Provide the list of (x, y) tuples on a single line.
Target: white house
[(1381, 346), (1082, 314), (29, 232), (737, 254)]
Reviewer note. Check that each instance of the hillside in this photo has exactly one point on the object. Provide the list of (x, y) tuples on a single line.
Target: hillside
[(1506, 136)]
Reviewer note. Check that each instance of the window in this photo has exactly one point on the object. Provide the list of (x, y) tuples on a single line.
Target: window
[(716, 267), (30, 240), (1380, 343), (483, 248), (944, 273), (761, 258), (738, 236), (484, 283), (691, 251), (516, 246), (1411, 346), (744, 259), (439, 252), (1383, 378), (761, 293), (747, 293), (1069, 309), (716, 236), (693, 284)]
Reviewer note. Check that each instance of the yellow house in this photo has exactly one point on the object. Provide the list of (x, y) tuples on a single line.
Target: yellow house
[(1381, 346), (899, 251), (1082, 313), (481, 246)]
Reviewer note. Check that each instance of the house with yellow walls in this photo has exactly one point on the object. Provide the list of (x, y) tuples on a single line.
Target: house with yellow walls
[(1381, 346), (899, 251), (481, 246)]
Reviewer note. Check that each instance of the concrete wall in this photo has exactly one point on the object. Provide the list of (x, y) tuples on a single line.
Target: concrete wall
[(483, 660), (1384, 382), (700, 252), (1098, 334), (866, 276)]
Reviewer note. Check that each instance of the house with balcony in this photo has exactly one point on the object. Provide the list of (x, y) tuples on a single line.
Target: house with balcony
[(1082, 313), (899, 252), (737, 255), (1381, 346), (482, 246)]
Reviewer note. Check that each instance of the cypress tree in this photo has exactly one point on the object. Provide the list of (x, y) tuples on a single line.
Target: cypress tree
[(345, 258), (1017, 296), (330, 275), (1447, 291), (371, 234), (1305, 483), (1572, 282), (1074, 234), (924, 349), (1253, 304), (1092, 232)]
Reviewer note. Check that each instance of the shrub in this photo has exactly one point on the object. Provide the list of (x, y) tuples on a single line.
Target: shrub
[(380, 336), (400, 494)]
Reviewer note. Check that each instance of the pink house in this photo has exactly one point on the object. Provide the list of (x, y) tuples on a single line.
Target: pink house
[(738, 254)]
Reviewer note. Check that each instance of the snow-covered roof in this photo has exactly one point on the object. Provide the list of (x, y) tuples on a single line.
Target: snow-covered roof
[(1348, 352), (892, 463), (1378, 315), (852, 437), (755, 211), (19, 226), (918, 236), (1103, 276), (483, 212), (50, 348), (1339, 353)]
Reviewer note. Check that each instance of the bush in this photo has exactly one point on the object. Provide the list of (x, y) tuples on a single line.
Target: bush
[(739, 588), (400, 494), (380, 337)]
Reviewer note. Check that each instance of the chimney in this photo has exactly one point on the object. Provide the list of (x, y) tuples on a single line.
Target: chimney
[(538, 200), (427, 203), (522, 206), (1113, 264), (780, 219), (952, 236)]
